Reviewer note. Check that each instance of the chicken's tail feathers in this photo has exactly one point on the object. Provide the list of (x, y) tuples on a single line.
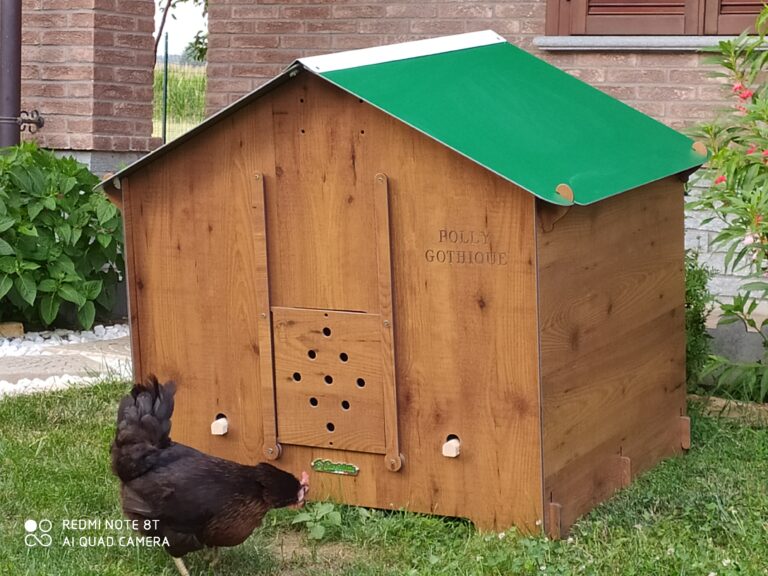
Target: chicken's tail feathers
[(143, 426)]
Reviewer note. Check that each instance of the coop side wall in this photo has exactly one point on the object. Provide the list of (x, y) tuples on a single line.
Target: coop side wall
[(192, 260), (612, 345)]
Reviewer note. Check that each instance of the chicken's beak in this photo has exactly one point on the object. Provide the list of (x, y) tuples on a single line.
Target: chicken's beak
[(301, 498)]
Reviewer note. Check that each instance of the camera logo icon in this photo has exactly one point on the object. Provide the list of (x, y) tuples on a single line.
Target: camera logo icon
[(37, 533)]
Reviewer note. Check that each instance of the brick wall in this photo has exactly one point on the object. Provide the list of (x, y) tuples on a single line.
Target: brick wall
[(87, 67), (251, 42)]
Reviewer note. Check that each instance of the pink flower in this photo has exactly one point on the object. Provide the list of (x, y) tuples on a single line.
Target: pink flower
[(751, 238), (740, 108), (745, 94), (752, 149), (720, 179), (765, 153), (738, 87)]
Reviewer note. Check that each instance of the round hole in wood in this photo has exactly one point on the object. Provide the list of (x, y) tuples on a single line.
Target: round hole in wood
[(330, 427), (328, 379), (313, 401), (297, 376), (344, 405), (343, 357), (312, 354), (220, 415), (451, 437), (361, 382), (326, 332), (362, 131), (301, 100), (303, 131)]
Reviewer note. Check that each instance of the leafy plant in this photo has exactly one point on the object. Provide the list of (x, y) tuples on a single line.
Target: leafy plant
[(698, 305), (60, 241), (320, 518), (736, 196)]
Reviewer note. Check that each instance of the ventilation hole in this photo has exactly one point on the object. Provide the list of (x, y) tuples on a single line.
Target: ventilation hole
[(328, 379), (360, 101), (343, 357), (297, 377), (451, 437), (313, 401), (312, 354), (303, 131), (362, 131), (330, 427), (326, 331), (361, 382), (301, 100), (219, 416), (330, 443), (344, 405)]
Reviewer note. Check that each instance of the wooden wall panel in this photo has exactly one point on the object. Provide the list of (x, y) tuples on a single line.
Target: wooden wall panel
[(464, 287), (321, 225), (463, 257), (612, 342), (193, 264)]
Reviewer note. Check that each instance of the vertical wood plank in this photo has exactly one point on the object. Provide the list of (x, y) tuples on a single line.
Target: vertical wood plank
[(685, 432), (130, 225), (261, 286), (381, 210)]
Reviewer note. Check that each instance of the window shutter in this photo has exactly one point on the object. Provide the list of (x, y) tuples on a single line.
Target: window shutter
[(635, 17), (730, 16)]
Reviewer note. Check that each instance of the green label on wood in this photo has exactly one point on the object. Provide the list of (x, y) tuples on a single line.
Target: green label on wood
[(320, 465)]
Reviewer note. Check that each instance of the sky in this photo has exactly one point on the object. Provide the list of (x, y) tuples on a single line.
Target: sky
[(189, 19)]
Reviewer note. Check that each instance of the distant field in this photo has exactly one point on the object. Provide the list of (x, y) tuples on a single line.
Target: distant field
[(186, 99)]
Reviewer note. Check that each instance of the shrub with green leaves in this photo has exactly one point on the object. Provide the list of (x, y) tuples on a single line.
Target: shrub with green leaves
[(698, 305), (736, 197), (60, 241)]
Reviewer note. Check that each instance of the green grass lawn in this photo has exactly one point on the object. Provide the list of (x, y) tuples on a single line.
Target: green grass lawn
[(700, 514)]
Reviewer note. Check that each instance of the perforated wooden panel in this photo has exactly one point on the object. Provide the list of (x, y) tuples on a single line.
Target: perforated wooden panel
[(329, 379)]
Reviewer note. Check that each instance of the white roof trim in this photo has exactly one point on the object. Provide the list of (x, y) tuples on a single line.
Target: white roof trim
[(404, 51)]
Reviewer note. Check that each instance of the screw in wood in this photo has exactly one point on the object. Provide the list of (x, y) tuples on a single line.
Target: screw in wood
[(386, 323)]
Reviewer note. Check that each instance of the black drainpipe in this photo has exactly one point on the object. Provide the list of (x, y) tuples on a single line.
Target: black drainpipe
[(10, 71)]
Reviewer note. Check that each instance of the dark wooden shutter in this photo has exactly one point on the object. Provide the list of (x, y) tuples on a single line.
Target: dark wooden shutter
[(635, 17), (730, 16)]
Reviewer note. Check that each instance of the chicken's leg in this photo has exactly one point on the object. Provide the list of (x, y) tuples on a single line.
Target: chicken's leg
[(180, 566)]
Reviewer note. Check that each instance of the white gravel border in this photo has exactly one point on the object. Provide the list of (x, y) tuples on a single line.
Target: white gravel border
[(36, 344)]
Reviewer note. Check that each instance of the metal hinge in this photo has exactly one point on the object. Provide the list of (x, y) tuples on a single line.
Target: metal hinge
[(29, 121)]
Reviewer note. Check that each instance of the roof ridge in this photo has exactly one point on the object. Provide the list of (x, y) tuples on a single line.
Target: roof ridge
[(402, 51)]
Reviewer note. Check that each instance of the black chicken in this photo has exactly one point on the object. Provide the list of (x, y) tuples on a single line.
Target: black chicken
[(191, 499)]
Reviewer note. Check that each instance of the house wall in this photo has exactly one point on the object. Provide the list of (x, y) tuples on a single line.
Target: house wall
[(87, 67), (250, 43)]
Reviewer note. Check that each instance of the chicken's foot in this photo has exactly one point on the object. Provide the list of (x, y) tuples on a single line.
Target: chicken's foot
[(181, 567)]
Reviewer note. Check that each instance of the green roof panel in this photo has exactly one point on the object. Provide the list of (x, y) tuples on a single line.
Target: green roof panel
[(524, 119)]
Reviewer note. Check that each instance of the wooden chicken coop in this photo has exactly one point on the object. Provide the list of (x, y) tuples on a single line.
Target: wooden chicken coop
[(442, 276)]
